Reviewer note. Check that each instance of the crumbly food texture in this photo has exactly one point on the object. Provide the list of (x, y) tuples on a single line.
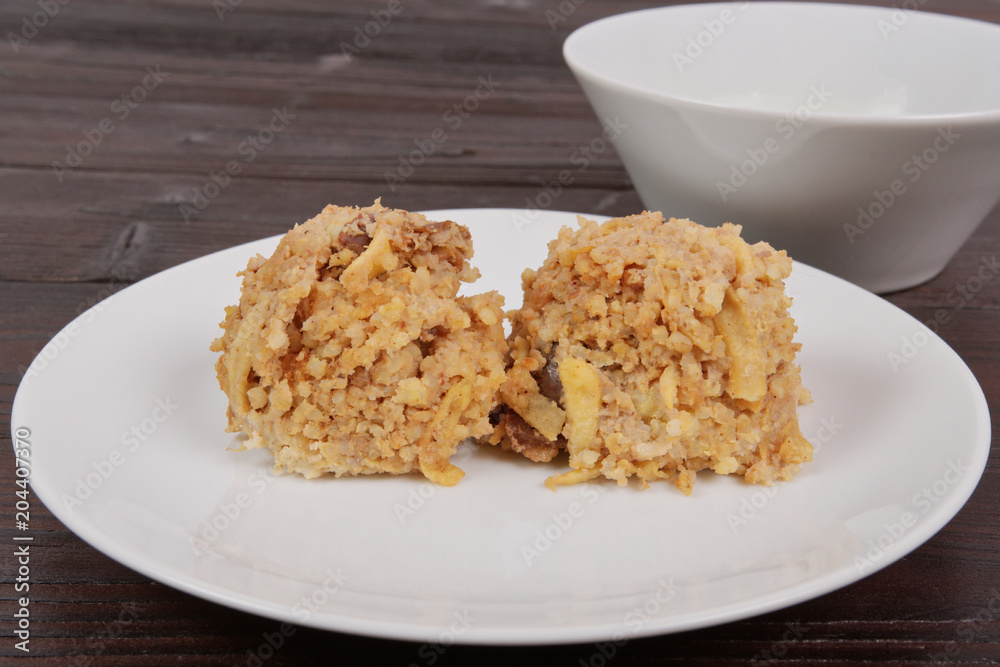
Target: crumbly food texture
[(655, 349), (350, 352)]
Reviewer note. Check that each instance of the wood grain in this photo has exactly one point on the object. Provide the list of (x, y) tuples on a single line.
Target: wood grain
[(75, 231)]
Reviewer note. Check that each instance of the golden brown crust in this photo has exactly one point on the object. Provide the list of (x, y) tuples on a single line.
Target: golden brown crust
[(674, 351), (351, 353)]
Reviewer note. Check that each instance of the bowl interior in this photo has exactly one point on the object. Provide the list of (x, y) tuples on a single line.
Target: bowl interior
[(863, 61)]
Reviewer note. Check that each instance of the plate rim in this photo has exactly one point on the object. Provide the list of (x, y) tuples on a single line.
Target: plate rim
[(808, 589)]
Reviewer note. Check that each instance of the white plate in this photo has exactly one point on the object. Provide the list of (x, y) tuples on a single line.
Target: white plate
[(128, 451)]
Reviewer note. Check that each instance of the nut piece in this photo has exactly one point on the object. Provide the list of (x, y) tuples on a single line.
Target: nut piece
[(549, 383), (525, 440)]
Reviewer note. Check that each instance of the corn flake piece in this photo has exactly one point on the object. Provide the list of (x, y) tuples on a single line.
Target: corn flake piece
[(582, 395), (747, 379)]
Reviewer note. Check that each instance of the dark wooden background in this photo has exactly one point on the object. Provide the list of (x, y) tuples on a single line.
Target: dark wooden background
[(130, 208)]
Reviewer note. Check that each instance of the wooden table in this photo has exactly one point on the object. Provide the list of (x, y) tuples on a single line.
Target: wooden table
[(119, 122)]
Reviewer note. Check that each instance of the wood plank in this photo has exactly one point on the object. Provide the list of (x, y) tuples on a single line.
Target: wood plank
[(130, 226)]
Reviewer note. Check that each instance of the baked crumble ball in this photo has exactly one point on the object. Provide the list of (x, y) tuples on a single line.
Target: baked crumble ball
[(655, 349), (350, 352)]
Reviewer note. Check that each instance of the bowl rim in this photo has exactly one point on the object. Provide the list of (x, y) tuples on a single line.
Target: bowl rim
[(916, 120)]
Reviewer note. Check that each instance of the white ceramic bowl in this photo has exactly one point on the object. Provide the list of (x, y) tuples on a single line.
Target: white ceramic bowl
[(864, 140)]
